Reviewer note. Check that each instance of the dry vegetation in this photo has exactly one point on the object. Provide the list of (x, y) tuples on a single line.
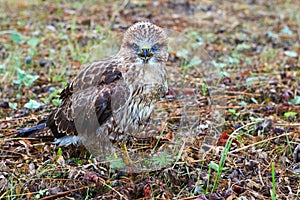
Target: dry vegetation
[(250, 58)]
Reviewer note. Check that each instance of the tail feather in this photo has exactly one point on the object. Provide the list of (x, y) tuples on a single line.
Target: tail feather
[(30, 132)]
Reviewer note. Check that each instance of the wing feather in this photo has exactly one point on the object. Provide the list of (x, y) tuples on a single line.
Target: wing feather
[(86, 101)]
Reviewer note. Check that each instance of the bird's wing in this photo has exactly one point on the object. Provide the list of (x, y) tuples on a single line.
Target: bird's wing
[(86, 101)]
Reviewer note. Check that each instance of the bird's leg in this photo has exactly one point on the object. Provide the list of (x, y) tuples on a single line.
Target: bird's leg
[(127, 159), (124, 151)]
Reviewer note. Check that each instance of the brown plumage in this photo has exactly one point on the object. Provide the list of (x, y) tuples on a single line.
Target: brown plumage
[(111, 98)]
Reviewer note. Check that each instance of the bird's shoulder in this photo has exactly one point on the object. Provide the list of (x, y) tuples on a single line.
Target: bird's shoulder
[(99, 74)]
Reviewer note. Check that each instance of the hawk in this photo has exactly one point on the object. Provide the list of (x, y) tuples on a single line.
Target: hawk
[(112, 97)]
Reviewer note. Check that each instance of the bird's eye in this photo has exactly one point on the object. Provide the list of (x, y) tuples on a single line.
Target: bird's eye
[(135, 47), (155, 47)]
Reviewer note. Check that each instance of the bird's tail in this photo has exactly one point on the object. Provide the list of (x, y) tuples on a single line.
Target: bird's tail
[(31, 131)]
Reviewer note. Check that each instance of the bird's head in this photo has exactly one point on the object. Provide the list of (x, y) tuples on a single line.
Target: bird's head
[(145, 42)]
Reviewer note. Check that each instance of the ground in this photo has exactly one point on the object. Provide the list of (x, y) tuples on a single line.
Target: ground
[(239, 59)]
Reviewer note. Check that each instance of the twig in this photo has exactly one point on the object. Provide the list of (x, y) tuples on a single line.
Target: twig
[(288, 124), (242, 93), (117, 12), (63, 193), (19, 138), (192, 197), (263, 141)]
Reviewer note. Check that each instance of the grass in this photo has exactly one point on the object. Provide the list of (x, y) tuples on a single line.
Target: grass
[(273, 193), (220, 167)]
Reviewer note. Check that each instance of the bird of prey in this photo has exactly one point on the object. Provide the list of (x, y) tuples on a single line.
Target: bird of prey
[(112, 97)]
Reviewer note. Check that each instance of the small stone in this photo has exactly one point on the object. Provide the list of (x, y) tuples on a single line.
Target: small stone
[(42, 63), (4, 104), (28, 60), (51, 28)]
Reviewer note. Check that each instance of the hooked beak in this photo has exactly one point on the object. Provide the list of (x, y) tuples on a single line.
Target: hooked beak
[(145, 53)]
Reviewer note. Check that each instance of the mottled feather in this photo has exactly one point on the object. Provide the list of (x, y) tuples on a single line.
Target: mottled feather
[(114, 96)]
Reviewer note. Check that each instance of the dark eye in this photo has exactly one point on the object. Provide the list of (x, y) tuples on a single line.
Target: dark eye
[(155, 47), (135, 47)]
